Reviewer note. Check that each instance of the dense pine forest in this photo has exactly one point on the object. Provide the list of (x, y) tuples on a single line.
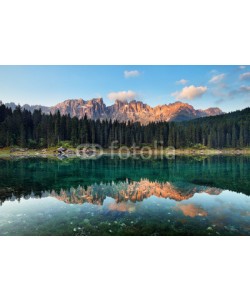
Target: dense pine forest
[(36, 130)]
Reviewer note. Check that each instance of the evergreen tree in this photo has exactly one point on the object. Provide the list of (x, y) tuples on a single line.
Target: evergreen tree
[(25, 129)]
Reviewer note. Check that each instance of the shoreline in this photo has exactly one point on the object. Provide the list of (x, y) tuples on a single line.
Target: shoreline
[(53, 153)]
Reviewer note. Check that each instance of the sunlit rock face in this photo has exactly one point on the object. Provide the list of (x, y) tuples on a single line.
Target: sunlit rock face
[(135, 111), (94, 109), (123, 111)]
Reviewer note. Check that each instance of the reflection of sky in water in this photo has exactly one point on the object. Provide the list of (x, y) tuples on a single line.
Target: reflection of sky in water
[(226, 213), (185, 196)]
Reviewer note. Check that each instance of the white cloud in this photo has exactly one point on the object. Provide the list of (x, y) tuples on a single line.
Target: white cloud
[(245, 76), (182, 81), (245, 89), (217, 78), (122, 95), (190, 92), (129, 74)]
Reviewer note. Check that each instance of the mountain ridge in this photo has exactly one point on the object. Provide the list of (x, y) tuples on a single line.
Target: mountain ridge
[(123, 111)]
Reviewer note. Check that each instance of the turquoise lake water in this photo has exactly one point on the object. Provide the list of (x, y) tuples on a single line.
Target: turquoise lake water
[(180, 196)]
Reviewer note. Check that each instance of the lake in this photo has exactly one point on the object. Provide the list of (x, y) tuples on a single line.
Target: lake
[(105, 196)]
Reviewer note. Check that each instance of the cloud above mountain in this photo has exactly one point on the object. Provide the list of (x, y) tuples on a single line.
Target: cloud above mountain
[(245, 89), (182, 81), (190, 92), (217, 78), (133, 73), (245, 76), (122, 95)]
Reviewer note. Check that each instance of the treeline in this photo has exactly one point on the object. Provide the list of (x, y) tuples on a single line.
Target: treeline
[(34, 130)]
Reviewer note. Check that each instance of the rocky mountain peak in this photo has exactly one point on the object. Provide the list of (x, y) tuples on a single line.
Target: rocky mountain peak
[(123, 111)]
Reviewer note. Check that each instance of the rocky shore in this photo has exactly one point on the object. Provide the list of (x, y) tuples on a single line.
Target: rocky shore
[(62, 152)]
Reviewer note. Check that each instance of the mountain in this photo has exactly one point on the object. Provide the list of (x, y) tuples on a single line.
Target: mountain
[(135, 111), (31, 108), (123, 111)]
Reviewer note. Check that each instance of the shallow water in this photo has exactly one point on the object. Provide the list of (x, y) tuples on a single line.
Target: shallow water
[(181, 196)]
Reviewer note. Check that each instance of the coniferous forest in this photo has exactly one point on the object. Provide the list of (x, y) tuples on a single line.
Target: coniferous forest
[(35, 130)]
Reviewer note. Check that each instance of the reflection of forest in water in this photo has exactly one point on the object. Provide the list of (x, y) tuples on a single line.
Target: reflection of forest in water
[(124, 191), (80, 181)]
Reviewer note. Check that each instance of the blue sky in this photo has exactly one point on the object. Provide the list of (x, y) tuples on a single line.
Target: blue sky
[(227, 87)]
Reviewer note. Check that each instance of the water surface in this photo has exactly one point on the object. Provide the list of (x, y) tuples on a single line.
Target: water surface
[(181, 196)]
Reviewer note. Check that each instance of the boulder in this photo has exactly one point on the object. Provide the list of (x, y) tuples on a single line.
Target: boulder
[(70, 151), (61, 150)]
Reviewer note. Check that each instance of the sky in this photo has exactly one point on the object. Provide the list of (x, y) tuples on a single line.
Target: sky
[(227, 87)]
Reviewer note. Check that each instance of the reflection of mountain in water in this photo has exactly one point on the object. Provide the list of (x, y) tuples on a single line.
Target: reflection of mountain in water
[(92, 180), (191, 210), (133, 191)]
